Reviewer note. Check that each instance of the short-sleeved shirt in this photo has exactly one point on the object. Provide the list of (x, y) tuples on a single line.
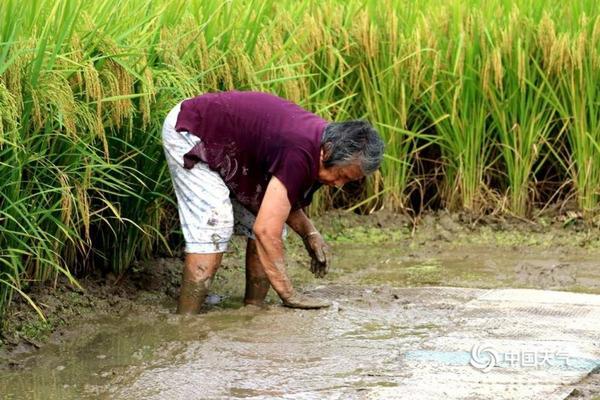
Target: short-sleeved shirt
[(248, 137)]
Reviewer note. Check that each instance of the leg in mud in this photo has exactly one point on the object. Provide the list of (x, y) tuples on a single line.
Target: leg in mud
[(257, 283), (198, 272)]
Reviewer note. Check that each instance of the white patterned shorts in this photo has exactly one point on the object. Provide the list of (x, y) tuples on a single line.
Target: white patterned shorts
[(208, 216)]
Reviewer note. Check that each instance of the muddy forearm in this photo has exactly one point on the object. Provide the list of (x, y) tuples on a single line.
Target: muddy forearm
[(271, 254), (300, 223)]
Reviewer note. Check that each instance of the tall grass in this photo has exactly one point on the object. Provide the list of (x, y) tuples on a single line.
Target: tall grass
[(495, 94)]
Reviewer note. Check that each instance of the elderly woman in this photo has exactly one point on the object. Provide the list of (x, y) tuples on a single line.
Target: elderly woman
[(249, 162)]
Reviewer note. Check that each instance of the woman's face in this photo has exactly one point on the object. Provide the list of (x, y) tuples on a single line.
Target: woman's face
[(338, 176)]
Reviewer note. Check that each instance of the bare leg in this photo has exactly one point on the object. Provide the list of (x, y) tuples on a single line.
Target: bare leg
[(257, 283), (198, 272)]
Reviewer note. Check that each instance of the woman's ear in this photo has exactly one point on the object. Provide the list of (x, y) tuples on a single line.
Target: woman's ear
[(326, 151)]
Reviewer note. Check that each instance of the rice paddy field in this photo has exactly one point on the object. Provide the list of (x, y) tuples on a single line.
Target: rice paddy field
[(485, 107)]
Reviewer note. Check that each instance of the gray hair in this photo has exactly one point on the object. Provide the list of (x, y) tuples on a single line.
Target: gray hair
[(352, 142)]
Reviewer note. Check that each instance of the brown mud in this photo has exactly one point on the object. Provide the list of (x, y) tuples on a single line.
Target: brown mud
[(132, 319)]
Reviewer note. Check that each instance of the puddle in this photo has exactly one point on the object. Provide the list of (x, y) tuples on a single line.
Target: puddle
[(470, 266)]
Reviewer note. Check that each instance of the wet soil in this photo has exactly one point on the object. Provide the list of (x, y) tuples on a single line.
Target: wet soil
[(115, 330), (212, 352)]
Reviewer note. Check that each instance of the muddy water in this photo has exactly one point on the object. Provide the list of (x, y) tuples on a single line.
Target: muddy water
[(481, 266), (349, 351), (242, 352)]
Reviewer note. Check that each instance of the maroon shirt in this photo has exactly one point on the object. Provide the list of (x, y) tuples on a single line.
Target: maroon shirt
[(248, 137)]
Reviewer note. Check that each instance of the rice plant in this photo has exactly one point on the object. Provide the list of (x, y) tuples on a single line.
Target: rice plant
[(497, 88), (515, 89)]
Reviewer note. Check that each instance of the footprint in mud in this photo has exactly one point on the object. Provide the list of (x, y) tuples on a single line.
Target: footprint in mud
[(546, 274)]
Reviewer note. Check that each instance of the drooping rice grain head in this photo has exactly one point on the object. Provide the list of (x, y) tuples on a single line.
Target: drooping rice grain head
[(8, 114), (594, 44), (546, 38)]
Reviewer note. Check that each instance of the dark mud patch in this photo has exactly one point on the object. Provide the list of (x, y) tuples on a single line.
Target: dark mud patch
[(436, 228)]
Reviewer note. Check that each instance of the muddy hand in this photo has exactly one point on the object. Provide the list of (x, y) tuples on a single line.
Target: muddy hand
[(319, 252), (298, 300)]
